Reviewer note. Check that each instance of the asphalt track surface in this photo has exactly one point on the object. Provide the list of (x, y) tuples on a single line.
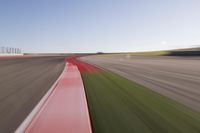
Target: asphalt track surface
[(175, 77), (23, 82)]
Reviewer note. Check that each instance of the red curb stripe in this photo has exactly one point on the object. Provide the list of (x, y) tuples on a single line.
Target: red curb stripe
[(30, 117), (65, 110), (83, 66)]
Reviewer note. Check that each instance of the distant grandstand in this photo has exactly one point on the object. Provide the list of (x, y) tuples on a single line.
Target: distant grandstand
[(10, 51)]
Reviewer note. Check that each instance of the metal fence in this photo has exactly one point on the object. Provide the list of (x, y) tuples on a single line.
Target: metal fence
[(9, 50)]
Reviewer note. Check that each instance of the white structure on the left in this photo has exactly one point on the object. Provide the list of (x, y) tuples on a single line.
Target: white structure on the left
[(6, 51)]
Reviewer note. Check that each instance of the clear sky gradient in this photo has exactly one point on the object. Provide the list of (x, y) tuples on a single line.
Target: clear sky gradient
[(99, 25)]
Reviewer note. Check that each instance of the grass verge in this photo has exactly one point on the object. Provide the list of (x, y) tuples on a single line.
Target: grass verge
[(151, 53), (118, 105)]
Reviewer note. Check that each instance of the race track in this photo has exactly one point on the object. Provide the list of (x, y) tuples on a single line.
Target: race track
[(23, 82), (175, 77)]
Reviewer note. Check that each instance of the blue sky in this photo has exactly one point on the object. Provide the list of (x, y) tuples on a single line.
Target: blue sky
[(99, 25)]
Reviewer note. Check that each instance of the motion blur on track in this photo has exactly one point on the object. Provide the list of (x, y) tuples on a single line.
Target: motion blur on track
[(23, 82), (175, 77)]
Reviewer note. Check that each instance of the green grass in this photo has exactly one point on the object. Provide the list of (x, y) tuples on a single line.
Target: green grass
[(147, 53), (151, 53), (118, 105)]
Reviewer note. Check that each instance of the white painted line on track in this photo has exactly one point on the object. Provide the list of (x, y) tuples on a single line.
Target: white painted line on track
[(36, 109)]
